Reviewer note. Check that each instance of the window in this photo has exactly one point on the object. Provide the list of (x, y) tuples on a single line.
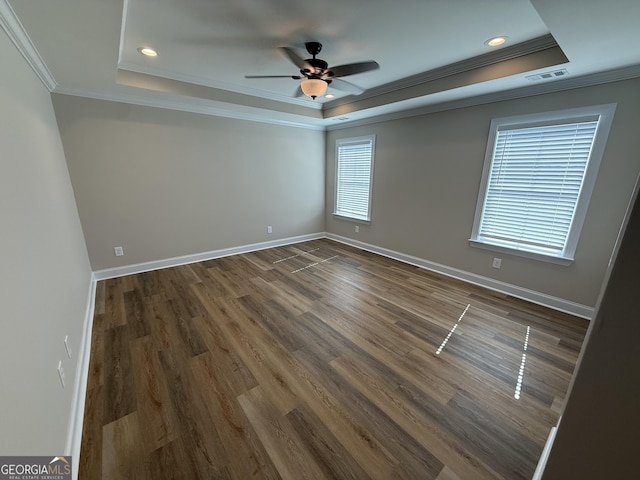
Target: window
[(354, 171), (538, 177)]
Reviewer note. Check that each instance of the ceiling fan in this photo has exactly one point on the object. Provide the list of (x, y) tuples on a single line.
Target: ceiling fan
[(318, 75)]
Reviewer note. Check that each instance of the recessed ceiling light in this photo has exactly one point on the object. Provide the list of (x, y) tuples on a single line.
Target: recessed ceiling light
[(495, 41), (148, 52), (329, 96)]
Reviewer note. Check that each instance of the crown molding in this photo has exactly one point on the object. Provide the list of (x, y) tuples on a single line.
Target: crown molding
[(199, 80), (570, 83), (204, 82), (600, 78), (502, 55), (178, 105), (16, 32)]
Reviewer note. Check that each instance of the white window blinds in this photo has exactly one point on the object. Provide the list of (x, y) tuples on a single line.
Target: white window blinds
[(538, 177), (354, 167), (534, 184)]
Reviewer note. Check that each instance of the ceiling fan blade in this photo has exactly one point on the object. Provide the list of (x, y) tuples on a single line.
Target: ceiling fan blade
[(352, 68), (345, 86), (295, 77), (296, 59)]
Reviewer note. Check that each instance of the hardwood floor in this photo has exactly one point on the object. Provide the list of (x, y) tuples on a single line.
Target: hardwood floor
[(319, 361)]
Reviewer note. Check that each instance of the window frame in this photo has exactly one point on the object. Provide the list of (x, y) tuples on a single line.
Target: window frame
[(604, 115), (351, 141)]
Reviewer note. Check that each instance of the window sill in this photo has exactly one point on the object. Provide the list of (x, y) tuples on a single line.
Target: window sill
[(521, 253), (352, 219)]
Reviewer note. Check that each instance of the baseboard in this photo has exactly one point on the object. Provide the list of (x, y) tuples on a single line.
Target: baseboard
[(200, 257), (532, 296), (537, 475), (538, 298), (76, 417), (74, 434)]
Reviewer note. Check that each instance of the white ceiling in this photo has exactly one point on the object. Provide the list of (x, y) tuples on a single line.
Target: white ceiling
[(429, 51)]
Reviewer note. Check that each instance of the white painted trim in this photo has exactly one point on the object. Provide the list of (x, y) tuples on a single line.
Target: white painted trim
[(199, 257), (529, 47), (191, 105), (303, 101), (543, 299), (76, 416), (18, 35), (123, 29), (74, 434), (537, 475), (194, 106), (603, 116), (538, 298), (543, 88)]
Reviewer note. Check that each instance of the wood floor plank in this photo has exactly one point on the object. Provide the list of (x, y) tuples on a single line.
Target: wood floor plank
[(227, 361), (334, 461), (448, 474), (90, 465), (171, 462), (406, 457), (158, 422), (415, 413), (96, 366), (489, 395), (305, 387), (183, 323), (115, 314), (185, 297), (261, 364), (278, 292), (164, 328), (121, 449), (490, 438), (197, 430), (280, 439), (273, 319), (136, 314), (119, 396), (318, 360), (100, 300), (245, 452)]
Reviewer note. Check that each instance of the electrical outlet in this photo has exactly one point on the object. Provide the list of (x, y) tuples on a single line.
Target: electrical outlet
[(61, 373), (269, 229), (67, 346), (357, 228), (497, 263), (119, 251)]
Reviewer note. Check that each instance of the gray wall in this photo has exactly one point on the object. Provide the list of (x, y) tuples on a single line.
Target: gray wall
[(163, 183), (598, 434), (45, 274), (427, 174)]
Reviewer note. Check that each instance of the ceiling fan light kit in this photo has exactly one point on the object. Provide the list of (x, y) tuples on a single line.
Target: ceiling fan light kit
[(313, 87), (316, 74)]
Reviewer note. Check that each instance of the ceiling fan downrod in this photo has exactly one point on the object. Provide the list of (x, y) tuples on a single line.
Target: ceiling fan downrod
[(318, 65)]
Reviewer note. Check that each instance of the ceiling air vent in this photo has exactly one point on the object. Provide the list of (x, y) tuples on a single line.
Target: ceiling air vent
[(548, 75)]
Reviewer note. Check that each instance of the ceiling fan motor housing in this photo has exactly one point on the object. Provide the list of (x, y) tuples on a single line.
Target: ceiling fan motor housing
[(313, 48), (319, 67), (316, 75)]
